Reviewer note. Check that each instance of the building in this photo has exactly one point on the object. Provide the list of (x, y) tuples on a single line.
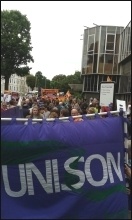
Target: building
[(100, 59), (16, 84), (124, 63)]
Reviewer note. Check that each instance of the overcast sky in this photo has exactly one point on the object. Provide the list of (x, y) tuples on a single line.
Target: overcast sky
[(56, 29)]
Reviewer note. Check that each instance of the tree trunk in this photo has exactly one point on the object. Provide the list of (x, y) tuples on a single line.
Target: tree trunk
[(6, 82)]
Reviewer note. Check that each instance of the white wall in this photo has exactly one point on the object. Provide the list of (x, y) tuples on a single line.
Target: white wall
[(16, 84)]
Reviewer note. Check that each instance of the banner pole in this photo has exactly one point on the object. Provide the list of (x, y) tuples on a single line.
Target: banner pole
[(125, 138)]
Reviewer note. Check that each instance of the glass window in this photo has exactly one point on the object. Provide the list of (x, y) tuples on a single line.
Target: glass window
[(85, 42), (97, 39), (14, 88), (92, 31), (89, 69), (108, 64), (96, 47), (110, 39), (90, 59), (94, 83), (115, 66), (111, 29), (103, 39), (117, 43), (109, 46), (90, 64), (108, 58), (123, 84), (101, 63), (83, 70), (95, 63), (91, 42), (10, 87)]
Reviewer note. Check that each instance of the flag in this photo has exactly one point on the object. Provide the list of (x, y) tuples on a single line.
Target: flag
[(68, 94), (108, 79), (20, 101)]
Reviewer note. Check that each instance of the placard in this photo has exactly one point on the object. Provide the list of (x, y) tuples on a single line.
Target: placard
[(107, 93), (121, 104), (7, 98)]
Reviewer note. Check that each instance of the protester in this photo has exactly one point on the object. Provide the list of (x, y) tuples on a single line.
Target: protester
[(3, 106), (84, 106), (53, 115), (90, 110), (64, 113), (34, 114), (12, 104), (75, 112)]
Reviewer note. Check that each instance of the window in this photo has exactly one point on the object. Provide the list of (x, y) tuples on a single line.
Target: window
[(101, 63), (90, 64), (110, 43), (103, 40), (10, 87), (108, 64), (115, 66), (91, 40), (117, 43), (14, 88), (95, 63)]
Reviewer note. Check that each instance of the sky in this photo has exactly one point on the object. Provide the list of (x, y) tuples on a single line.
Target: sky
[(56, 29)]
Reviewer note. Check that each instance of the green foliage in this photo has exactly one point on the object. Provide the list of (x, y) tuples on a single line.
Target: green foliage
[(30, 80), (61, 81), (15, 44), (41, 81), (59, 78)]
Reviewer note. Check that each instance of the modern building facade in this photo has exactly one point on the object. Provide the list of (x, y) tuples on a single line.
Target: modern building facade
[(16, 84), (100, 58), (124, 62)]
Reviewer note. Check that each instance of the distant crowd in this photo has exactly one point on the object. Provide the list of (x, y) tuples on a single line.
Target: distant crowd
[(39, 108)]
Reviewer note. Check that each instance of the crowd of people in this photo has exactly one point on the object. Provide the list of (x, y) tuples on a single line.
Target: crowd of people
[(39, 108)]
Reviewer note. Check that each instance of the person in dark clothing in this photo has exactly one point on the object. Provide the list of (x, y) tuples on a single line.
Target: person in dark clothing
[(26, 112), (84, 106)]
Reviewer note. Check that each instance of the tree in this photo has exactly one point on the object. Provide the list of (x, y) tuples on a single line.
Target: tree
[(15, 44), (38, 79), (62, 82), (30, 80), (74, 79), (41, 80), (59, 78)]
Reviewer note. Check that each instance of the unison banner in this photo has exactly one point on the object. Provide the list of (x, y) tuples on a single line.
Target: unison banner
[(57, 170)]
